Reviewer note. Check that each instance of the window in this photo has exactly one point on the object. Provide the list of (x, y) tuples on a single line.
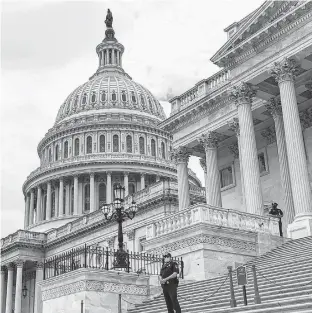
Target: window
[(123, 96), (141, 144), (114, 96), (131, 189), (66, 150), (93, 98), (227, 177), (133, 98), (89, 144), (153, 147), (129, 144), (141, 247), (56, 152), (163, 151), (102, 143), (102, 194), (115, 143), (103, 96), (50, 155), (263, 162), (84, 99), (87, 198), (76, 146)]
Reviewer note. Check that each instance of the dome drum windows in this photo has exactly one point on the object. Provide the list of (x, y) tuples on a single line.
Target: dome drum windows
[(153, 147), (129, 144), (93, 97), (84, 99), (163, 150), (142, 145), (56, 152), (133, 98), (103, 96), (123, 96), (66, 150), (114, 96), (115, 143), (89, 144), (76, 150), (102, 143)]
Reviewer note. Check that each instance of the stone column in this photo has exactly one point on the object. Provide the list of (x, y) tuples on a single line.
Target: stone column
[(27, 209), (284, 73), (39, 200), (142, 181), (202, 162), (213, 188), (275, 109), (3, 289), (32, 207), (49, 201), (76, 195), (181, 156), (61, 197), (67, 199), (157, 178), (56, 202), (235, 148), (109, 187), (126, 183), (39, 278), (92, 193), (242, 95), (19, 286), (9, 294)]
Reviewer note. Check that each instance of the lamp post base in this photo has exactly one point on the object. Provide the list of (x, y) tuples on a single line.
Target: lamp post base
[(121, 259)]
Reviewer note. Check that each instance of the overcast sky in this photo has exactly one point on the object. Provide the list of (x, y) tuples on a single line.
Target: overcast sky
[(48, 49)]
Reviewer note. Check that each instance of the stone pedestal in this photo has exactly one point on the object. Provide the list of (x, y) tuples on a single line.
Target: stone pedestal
[(301, 227)]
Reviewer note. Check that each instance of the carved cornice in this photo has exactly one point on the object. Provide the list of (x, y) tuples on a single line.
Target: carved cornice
[(285, 70), (274, 107), (130, 234), (234, 125), (19, 263), (269, 134), (242, 93), (209, 140), (234, 149), (180, 155), (39, 265)]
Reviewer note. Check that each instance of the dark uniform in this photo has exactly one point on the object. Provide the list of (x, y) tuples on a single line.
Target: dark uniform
[(275, 211), (171, 286)]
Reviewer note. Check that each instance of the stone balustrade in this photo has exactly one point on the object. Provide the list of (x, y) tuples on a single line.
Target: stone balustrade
[(206, 214), (23, 236)]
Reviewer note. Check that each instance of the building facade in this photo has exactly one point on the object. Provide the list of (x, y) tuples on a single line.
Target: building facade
[(250, 125)]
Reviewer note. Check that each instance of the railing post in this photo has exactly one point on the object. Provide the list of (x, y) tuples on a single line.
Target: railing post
[(232, 301), (257, 295)]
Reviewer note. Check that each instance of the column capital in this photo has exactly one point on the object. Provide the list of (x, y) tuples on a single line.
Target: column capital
[(10, 266), (39, 265), (19, 263), (203, 164), (274, 107), (32, 190), (61, 178), (242, 93), (234, 149), (284, 70), (126, 173), (92, 174), (142, 174), (209, 140), (130, 234), (269, 134), (234, 125), (180, 155), (109, 173), (3, 269)]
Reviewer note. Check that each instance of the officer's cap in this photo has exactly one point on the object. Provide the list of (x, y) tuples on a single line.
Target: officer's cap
[(168, 255)]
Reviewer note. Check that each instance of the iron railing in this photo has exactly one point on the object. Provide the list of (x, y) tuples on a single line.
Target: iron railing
[(103, 258)]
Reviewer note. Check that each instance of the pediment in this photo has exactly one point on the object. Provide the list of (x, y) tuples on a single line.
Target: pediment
[(254, 27)]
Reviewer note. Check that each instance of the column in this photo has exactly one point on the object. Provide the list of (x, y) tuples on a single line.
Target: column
[(9, 297), (213, 188), (202, 162), (19, 286), (242, 95), (109, 187), (118, 62), (275, 109), (49, 201), (126, 183), (234, 126), (75, 194), (142, 181), (61, 197), (92, 193), (27, 209), (56, 194), (284, 73), (32, 207), (157, 178), (39, 200), (181, 157), (3, 289), (39, 278), (67, 199)]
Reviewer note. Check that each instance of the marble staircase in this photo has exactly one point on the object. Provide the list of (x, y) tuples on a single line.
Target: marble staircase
[(284, 278)]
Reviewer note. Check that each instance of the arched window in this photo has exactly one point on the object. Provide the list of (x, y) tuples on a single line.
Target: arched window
[(102, 194), (56, 152), (72, 201), (93, 97), (129, 144), (89, 144), (142, 100), (53, 204), (102, 143), (123, 96), (115, 143), (133, 98), (141, 144), (50, 155), (103, 96), (87, 198), (114, 96), (163, 152), (66, 150), (153, 147), (84, 99), (76, 146), (131, 189)]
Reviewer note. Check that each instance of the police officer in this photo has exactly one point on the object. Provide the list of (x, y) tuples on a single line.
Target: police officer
[(169, 282), (275, 211)]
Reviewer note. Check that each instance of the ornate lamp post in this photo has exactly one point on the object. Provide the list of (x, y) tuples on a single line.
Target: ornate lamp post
[(116, 211)]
